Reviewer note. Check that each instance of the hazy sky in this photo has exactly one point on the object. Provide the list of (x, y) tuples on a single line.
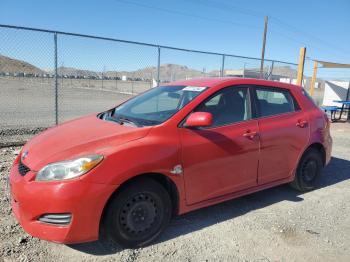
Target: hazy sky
[(233, 27)]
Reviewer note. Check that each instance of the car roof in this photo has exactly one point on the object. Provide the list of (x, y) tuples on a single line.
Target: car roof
[(215, 81)]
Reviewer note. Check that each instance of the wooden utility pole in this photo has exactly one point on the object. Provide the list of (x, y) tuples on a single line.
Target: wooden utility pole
[(302, 55), (313, 79), (263, 49)]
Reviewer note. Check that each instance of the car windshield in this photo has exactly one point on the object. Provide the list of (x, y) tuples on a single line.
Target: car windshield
[(156, 105)]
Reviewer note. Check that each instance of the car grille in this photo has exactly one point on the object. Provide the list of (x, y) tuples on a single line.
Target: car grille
[(23, 169)]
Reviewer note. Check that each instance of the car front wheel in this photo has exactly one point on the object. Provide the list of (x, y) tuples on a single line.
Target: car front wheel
[(138, 213)]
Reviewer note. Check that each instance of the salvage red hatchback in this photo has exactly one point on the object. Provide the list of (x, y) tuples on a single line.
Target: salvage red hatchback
[(123, 173)]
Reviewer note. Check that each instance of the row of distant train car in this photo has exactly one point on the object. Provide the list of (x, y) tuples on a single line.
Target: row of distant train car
[(92, 77)]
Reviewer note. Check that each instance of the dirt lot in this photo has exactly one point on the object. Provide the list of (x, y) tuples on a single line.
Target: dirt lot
[(28, 105), (278, 224), (30, 102)]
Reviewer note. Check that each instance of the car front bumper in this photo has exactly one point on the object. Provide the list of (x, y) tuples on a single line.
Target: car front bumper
[(84, 201)]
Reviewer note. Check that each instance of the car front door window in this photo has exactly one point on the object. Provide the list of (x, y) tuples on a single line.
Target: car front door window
[(227, 106)]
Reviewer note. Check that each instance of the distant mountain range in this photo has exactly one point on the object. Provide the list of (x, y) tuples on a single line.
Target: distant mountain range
[(11, 65), (167, 71)]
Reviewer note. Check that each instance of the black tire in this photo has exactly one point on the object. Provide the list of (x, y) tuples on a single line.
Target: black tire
[(308, 171), (137, 214)]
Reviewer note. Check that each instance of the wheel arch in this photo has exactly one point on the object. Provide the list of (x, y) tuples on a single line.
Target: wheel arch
[(162, 179), (320, 148)]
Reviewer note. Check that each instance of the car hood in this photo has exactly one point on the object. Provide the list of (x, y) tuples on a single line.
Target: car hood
[(83, 136)]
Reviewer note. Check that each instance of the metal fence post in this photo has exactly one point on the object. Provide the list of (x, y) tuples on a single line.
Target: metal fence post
[(116, 80), (244, 70), (271, 70), (56, 80), (222, 66), (158, 67), (132, 84)]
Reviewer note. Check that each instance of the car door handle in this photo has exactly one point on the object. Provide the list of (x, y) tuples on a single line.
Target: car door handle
[(250, 134), (301, 123)]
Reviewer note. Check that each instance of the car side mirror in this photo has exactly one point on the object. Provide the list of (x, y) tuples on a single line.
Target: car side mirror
[(199, 119)]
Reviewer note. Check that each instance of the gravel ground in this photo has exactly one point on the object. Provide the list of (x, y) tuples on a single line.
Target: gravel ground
[(278, 224)]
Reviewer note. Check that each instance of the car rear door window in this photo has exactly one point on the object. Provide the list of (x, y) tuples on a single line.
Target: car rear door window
[(273, 101), (229, 105)]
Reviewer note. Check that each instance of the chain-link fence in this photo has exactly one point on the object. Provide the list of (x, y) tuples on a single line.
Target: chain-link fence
[(47, 77)]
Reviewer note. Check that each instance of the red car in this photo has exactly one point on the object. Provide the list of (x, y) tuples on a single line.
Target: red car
[(123, 173)]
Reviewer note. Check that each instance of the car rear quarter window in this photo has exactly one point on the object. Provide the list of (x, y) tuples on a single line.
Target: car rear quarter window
[(306, 94), (274, 101)]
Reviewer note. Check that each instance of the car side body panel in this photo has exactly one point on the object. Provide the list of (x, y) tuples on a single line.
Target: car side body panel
[(282, 142), (220, 160)]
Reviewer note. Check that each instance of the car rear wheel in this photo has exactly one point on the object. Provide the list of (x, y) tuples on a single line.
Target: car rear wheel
[(308, 171), (138, 213)]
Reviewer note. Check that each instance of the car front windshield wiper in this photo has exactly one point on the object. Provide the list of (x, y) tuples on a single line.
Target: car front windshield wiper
[(124, 120), (139, 122), (147, 122), (121, 120), (112, 119)]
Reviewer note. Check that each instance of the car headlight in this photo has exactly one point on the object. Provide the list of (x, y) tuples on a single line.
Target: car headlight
[(68, 169)]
